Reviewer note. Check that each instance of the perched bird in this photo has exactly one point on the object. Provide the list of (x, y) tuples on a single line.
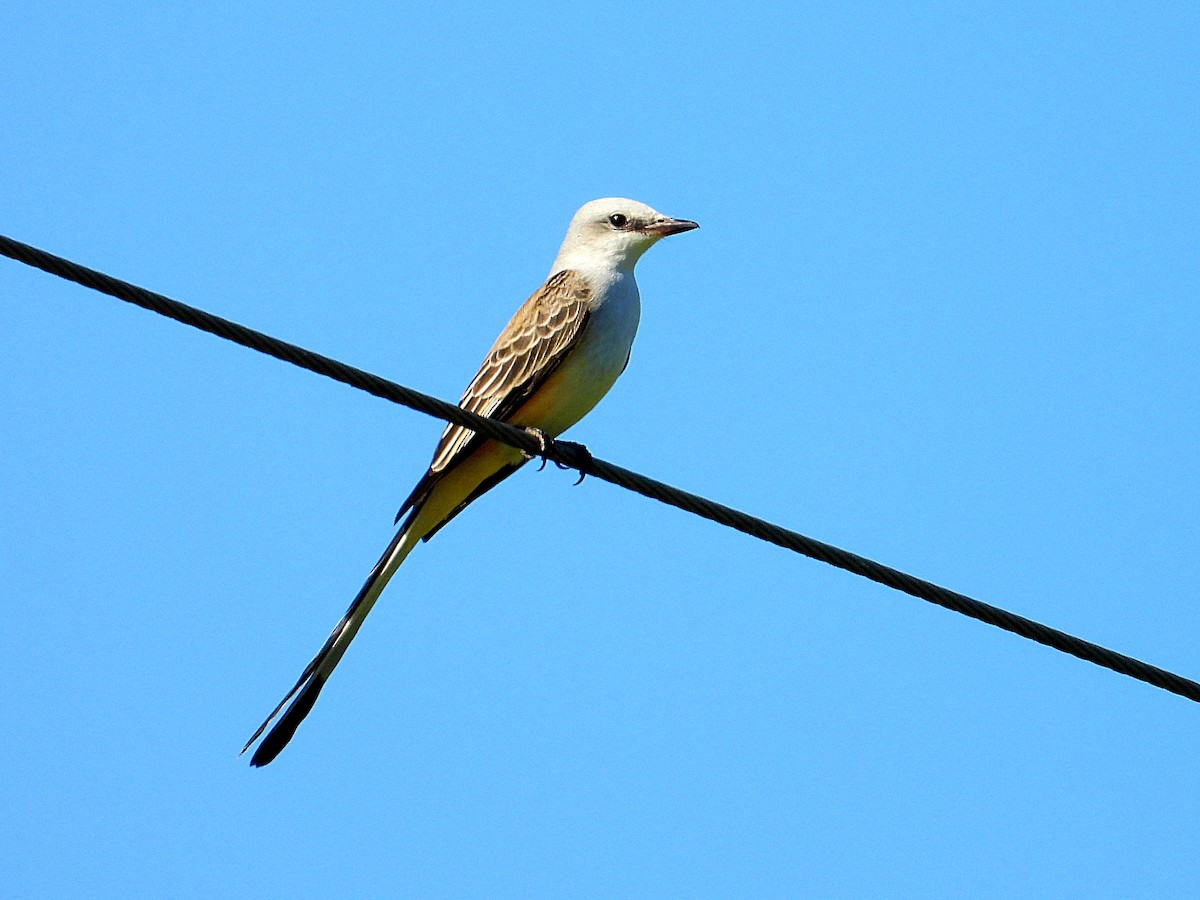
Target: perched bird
[(551, 364)]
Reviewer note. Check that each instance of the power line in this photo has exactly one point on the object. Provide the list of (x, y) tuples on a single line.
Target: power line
[(573, 456)]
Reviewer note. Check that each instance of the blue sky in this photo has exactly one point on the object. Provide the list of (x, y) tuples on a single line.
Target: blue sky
[(941, 311)]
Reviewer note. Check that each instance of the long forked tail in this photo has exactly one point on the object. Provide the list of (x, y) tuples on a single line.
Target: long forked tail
[(317, 672)]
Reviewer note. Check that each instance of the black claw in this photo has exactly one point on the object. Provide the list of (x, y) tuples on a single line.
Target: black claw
[(578, 454)]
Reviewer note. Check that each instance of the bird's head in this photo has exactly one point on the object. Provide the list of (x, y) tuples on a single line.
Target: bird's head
[(615, 232)]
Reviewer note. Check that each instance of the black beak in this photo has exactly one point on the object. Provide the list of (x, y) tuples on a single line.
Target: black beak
[(664, 227)]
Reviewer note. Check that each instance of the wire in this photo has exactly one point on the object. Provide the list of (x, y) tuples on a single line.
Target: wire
[(574, 456)]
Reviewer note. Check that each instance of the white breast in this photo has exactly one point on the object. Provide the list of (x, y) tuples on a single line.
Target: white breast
[(593, 365)]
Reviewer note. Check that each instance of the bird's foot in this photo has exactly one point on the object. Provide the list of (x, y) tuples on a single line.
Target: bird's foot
[(543, 444), (575, 456), (579, 457)]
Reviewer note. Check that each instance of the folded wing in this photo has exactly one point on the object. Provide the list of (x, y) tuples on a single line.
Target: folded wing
[(528, 351)]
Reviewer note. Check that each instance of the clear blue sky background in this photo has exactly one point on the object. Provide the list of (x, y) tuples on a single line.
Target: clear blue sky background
[(942, 311)]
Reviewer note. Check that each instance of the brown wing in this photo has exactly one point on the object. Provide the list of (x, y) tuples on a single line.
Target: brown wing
[(528, 350)]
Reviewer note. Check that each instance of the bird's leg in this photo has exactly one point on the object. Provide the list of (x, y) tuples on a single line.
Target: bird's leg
[(543, 443)]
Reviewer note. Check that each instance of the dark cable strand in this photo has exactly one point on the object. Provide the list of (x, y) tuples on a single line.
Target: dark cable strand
[(569, 455), (263, 343)]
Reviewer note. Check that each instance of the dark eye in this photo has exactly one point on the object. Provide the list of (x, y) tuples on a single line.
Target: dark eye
[(617, 220)]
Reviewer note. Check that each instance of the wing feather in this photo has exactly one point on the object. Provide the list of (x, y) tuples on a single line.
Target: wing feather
[(528, 350)]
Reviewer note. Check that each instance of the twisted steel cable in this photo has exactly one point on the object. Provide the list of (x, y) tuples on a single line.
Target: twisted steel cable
[(574, 456)]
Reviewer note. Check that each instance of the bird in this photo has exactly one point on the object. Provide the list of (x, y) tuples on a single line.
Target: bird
[(558, 356)]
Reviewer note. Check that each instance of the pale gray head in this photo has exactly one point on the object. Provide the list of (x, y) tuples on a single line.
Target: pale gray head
[(614, 232)]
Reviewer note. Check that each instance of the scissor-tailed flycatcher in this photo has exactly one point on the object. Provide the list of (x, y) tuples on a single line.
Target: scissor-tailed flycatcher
[(552, 363)]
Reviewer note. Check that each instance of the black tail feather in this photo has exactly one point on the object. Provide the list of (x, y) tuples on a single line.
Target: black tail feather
[(306, 679), (309, 685), (279, 736)]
